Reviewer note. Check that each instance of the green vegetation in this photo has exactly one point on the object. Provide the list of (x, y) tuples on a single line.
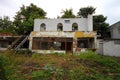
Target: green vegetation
[(68, 13), (6, 26), (84, 66), (24, 19)]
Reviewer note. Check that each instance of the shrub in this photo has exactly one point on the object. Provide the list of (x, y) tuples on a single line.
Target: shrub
[(3, 62)]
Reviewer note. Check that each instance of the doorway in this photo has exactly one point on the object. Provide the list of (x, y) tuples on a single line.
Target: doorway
[(69, 46)]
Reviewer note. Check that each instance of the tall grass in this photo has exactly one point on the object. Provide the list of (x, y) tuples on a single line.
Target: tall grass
[(86, 66)]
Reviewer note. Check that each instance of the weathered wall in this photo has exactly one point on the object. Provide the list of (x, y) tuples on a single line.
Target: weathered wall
[(51, 34), (109, 47), (115, 30), (84, 24), (115, 33)]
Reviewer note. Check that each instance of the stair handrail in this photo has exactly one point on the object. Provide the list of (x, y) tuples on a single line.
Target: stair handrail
[(14, 42), (23, 41)]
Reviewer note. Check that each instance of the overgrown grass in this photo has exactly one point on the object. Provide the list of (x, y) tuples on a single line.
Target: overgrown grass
[(86, 66)]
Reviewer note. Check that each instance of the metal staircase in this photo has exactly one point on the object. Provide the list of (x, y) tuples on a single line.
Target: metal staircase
[(18, 42)]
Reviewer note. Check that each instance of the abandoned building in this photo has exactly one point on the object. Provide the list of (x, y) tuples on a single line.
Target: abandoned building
[(67, 35)]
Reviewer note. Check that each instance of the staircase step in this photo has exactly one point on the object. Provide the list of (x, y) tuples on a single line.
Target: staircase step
[(18, 42)]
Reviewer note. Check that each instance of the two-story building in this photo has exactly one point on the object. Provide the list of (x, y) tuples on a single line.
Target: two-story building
[(63, 35)]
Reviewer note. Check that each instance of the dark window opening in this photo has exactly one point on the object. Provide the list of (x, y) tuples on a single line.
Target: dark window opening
[(67, 21), (42, 27), (85, 42), (59, 27), (74, 27)]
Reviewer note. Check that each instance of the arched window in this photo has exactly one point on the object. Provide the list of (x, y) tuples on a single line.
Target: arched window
[(42, 27), (59, 27), (74, 27)]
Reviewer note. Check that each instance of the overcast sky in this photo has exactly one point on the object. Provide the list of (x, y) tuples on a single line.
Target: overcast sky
[(109, 8)]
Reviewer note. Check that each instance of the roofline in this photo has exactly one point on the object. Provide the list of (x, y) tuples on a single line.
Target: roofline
[(114, 24)]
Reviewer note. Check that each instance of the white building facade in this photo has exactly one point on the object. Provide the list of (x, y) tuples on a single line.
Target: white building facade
[(66, 24), (63, 35)]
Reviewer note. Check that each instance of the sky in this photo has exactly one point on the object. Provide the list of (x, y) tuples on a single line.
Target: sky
[(108, 8)]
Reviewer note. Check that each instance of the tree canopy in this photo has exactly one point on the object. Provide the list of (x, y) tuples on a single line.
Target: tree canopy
[(85, 11), (68, 13), (24, 19), (100, 25), (6, 25)]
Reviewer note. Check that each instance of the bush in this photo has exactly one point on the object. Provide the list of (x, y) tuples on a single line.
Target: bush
[(7, 68), (3, 62)]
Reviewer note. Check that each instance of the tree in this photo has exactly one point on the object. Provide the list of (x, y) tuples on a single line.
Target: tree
[(24, 20), (100, 25), (85, 11), (6, 25), (68, 13)]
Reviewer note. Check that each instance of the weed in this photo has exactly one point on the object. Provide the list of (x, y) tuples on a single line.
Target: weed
[(59, 54), (2, 64), (41, 75), (86, 66), (27, 52), (35, 55), (88, 55)]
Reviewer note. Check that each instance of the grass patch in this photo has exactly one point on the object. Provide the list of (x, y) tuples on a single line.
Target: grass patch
[(86, 66)]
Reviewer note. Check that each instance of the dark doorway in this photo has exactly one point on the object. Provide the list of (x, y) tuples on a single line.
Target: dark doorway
[(69, 47)]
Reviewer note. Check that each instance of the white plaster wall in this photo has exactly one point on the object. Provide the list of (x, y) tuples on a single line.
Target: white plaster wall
[(108, 47), (116, 33), (48, 51), (111, 49), (115, 30), (51, 24), (98, 46), (90, 23)]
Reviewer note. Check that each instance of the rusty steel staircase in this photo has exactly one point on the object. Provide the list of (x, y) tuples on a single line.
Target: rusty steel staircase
[(18, 42)]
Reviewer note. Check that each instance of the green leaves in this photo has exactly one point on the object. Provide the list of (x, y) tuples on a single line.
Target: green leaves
[(6, 25), (68, 13), (85, 11), (24, 20), (100, 25)]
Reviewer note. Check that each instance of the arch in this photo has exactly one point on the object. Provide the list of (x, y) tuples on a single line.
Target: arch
[(74, 27), (59, 27), (42, 27)]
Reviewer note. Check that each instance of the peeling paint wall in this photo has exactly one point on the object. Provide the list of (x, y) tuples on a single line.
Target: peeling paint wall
[(52, 34), (84, 34), (75, 35)]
